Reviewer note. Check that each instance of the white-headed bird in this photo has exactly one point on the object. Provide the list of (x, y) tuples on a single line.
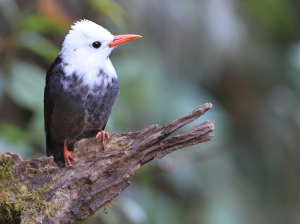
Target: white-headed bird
[(81, 88)]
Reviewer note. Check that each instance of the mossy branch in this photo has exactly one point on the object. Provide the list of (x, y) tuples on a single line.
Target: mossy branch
[(38, 190)]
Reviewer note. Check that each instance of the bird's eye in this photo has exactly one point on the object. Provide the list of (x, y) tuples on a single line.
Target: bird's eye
[(96, 44)]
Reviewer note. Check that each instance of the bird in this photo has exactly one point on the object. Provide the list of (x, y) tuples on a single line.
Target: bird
[(81, 88)]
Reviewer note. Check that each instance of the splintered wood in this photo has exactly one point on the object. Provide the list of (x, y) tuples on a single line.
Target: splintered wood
[(98, 175)]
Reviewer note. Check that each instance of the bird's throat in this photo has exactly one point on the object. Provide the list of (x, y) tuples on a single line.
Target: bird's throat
[(90, 75)]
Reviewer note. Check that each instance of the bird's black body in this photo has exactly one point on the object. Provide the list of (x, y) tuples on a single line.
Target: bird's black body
[(74, 110)]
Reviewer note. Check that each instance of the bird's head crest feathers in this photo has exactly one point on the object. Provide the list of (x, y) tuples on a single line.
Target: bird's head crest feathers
[(78, 44)]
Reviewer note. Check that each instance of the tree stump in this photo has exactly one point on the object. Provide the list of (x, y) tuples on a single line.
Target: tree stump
[(98, 175)]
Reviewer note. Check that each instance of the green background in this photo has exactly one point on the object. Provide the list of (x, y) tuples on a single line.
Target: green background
[(243, 56)]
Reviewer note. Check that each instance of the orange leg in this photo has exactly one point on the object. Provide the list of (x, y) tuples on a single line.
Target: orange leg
[(68, 156), (104, 134)]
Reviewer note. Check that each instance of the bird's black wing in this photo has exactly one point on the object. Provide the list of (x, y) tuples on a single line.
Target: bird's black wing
[(48, 103)]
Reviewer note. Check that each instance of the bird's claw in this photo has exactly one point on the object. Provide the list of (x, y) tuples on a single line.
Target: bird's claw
[(104, 134), (68, 156)]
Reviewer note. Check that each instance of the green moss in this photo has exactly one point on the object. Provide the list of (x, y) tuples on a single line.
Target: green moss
[(5, 168), (16, 201)]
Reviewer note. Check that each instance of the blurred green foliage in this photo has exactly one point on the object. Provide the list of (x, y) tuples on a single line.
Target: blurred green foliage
[(241, 55)]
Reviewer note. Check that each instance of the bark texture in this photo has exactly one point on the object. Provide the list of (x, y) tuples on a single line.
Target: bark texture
[(98, 175)]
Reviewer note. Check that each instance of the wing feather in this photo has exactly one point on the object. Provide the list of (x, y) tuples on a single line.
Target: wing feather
[(48, 103)]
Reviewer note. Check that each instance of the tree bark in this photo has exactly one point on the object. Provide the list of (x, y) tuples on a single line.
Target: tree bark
[(98, 175)]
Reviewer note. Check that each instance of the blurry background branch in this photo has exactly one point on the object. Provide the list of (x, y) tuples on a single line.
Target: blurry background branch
[(98, 175)]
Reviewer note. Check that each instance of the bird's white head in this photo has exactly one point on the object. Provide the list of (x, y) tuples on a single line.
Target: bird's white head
[(85, 41), (88, 45)]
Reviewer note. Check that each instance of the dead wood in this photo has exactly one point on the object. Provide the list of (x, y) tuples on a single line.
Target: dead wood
[(98, 175)]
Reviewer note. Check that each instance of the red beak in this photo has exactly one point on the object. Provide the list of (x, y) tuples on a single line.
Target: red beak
[(120, 39)]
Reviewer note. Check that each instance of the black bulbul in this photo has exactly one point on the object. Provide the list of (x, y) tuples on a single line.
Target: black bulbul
[(81, 88)]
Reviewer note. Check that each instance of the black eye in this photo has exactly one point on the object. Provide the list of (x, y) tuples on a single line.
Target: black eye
[(96, 44)]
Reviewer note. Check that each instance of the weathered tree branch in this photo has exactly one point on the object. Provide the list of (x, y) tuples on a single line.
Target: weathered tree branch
[(98, 175)]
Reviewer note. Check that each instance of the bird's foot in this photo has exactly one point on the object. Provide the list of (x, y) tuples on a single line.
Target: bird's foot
[(104, 134), (67, 155)]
